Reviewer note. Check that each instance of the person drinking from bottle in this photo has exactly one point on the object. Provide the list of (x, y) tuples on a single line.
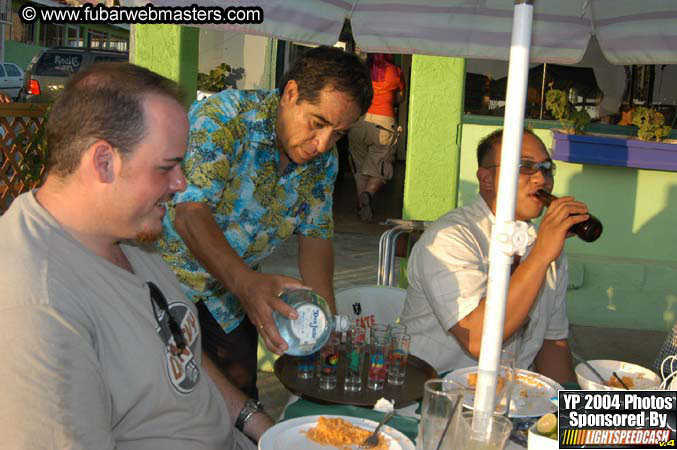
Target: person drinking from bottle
[(448, 272)]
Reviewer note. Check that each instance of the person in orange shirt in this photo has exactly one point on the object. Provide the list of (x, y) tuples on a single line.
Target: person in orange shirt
[(372, 139)]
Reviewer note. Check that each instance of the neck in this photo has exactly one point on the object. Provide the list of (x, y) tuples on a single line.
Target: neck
[(74, 211), (284, 161)]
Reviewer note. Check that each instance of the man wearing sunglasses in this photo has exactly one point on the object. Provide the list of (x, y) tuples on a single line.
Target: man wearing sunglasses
[(448, 270), (102, 348)]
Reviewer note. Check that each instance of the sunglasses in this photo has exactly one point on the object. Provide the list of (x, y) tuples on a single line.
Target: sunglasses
[(158, 300), (529, 167)]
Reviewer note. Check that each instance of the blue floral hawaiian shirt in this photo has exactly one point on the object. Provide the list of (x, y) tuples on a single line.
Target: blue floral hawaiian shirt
[(232, 166)]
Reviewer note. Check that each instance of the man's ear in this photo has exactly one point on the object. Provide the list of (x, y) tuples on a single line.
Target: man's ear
[(486, 179), (290, 94), (103, 160)]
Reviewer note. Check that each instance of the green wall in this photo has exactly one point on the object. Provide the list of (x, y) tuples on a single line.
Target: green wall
[(20, 53), (170, 50), (628, 278), (435, 107)]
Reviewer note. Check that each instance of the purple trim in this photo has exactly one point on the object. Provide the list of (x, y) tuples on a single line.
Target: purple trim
[(347, 6), (615, 152), (654, 15), (464, 10), (568, 39), (651, 44)]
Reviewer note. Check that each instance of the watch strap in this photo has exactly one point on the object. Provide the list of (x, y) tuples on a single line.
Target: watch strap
[(250, 407)]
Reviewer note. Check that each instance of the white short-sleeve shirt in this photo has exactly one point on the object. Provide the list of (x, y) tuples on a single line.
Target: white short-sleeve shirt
[(448, 271)]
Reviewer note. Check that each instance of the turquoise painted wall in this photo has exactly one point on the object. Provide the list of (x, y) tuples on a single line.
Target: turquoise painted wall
[(628, 278)]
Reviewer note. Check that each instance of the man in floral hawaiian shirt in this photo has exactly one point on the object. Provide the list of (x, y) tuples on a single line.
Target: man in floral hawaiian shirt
[(261, 166)]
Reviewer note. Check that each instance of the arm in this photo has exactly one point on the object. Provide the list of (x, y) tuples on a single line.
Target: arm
[(554, 361), (257, 292), (316, 264), (235, 399), (527, 279), (52, 383)]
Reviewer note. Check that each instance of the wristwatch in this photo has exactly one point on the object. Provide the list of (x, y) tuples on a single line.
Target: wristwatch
[(250, 407)]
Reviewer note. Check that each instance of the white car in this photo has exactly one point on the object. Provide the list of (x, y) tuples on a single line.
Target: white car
[(11, 79)]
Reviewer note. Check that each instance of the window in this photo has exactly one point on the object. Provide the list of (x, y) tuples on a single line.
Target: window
[(21, 32), (73, 38), (2, 72), (12, 70), (96, 39), (52, 35), (118, 43)]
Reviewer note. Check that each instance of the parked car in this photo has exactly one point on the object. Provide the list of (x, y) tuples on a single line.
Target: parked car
[(11, 79), (47, 73)]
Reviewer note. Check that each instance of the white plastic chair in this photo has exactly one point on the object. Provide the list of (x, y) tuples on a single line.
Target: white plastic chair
[(370, 304)]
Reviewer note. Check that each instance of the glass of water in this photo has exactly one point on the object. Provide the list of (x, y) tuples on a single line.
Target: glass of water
[(306, 366), (397, 358), (440, 414), (356, 345)]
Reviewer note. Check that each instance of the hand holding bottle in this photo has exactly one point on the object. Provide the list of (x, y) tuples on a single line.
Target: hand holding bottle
[(589, 230), (554, 228)]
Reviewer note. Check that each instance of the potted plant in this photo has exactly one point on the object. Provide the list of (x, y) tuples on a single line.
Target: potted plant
[(645, 152)]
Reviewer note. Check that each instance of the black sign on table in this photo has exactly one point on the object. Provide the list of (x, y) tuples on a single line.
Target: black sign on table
[(617, 419)]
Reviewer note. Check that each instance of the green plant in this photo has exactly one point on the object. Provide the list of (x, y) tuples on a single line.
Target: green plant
[(650, 123), (217, 80), (572, 119)]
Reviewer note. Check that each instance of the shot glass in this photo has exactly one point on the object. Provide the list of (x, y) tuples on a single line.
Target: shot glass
[(397, 358), (396, 329), (329, 358), (305, 367), (378, 354), (356, 345), (440, 414)]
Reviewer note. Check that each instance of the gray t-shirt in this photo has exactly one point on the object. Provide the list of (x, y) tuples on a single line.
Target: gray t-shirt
[(86, 361)]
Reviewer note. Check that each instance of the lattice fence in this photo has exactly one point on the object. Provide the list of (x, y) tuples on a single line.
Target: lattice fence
[(22, 149)]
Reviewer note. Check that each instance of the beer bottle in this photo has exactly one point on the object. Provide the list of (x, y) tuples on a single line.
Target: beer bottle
[(589, 230)]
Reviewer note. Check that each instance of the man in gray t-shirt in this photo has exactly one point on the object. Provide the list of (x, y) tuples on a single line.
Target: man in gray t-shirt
[(102, 348)]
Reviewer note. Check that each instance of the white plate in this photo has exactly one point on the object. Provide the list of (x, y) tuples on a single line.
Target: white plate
[(530, 397), (291, 434)]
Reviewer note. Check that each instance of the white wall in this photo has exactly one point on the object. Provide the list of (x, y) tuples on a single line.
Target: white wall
[(252, 53)]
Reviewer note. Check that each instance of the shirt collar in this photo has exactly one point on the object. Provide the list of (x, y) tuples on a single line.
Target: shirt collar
[(531, 228)]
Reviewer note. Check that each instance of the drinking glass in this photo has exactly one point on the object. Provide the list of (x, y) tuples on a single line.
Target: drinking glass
[(306, 366), (440, 414), (491, 434), (378, 352), (397, 358), (396, 329), (329, 358), (505, 382), (356, 345)]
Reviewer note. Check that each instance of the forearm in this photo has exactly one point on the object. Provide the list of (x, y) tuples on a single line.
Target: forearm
[(235, 400), (316, 265), (554, 361), (204, 238)]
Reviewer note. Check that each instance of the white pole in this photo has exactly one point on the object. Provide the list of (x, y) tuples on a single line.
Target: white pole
[(504, 240)]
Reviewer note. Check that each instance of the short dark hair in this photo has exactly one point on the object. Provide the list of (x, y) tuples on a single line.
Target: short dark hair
[(103, 101), (490, 141), (329, 66)]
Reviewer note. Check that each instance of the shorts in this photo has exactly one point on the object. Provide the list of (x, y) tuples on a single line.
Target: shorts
[(372, 149), (234, 353)]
